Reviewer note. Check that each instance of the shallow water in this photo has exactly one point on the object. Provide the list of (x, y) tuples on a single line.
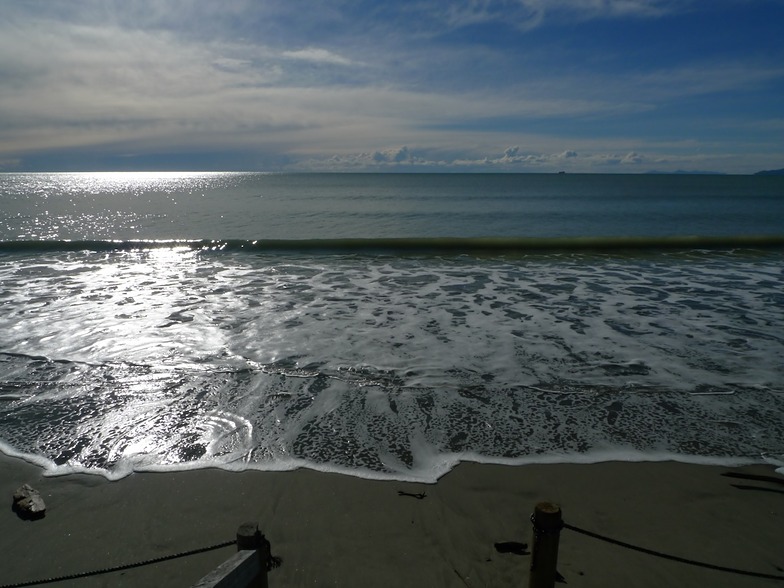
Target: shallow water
[(395, 364)]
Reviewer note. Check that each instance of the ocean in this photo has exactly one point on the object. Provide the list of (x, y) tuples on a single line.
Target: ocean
[(389, 326)]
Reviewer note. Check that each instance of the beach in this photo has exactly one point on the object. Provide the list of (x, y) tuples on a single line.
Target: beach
[(337, 530), (337, 339)]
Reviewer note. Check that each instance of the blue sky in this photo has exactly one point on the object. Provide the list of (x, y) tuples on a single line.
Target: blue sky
[(620, 86)]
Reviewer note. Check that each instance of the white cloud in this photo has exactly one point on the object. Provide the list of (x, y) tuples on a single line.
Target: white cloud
[(516, 160), (704, 78), (614, 95), (396, 158), (232, 65), (530, 14), (84, 85), (316, 55), (397, 155), (141, 80), (525, 14), (619, 8), (512, 159)]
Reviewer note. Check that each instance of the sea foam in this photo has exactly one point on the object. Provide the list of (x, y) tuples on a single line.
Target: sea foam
[(386, 366)]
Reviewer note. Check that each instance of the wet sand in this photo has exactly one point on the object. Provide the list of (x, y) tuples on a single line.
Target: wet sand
[(335, 530)]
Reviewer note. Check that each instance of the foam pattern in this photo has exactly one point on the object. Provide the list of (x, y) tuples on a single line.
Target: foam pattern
[(387, 366)]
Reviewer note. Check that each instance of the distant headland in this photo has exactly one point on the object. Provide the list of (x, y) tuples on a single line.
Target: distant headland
[(771, 172)]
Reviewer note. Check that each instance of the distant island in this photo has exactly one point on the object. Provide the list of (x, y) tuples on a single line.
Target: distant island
[(771, 172)]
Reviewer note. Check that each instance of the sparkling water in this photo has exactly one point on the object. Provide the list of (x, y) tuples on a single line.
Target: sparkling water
[(389, 326)]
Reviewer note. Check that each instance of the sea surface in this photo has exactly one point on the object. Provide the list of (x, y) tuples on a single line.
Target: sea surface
[(389, 325)]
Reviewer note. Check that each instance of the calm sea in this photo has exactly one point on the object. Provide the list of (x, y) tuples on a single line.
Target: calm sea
[(389, 326)]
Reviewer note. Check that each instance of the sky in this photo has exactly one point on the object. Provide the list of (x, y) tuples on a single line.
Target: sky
[(606, 86)]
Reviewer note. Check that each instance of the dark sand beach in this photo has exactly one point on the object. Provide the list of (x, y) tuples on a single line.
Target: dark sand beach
[(334, 530)]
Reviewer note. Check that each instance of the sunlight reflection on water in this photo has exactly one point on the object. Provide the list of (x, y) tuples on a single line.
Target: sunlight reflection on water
[(130, 352)]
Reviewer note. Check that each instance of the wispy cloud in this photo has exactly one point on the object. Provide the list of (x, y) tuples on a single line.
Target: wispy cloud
[(706, 78), (316, 55), (619, 8), (530, 14), (524, 14), (106, 85), (346, 84)]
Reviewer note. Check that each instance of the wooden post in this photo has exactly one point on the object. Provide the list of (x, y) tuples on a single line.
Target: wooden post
[(547, 524), (245, 569), (249, 536)]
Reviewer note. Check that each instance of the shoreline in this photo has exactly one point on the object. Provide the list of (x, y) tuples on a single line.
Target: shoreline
[(448, 462), (339, 530)]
